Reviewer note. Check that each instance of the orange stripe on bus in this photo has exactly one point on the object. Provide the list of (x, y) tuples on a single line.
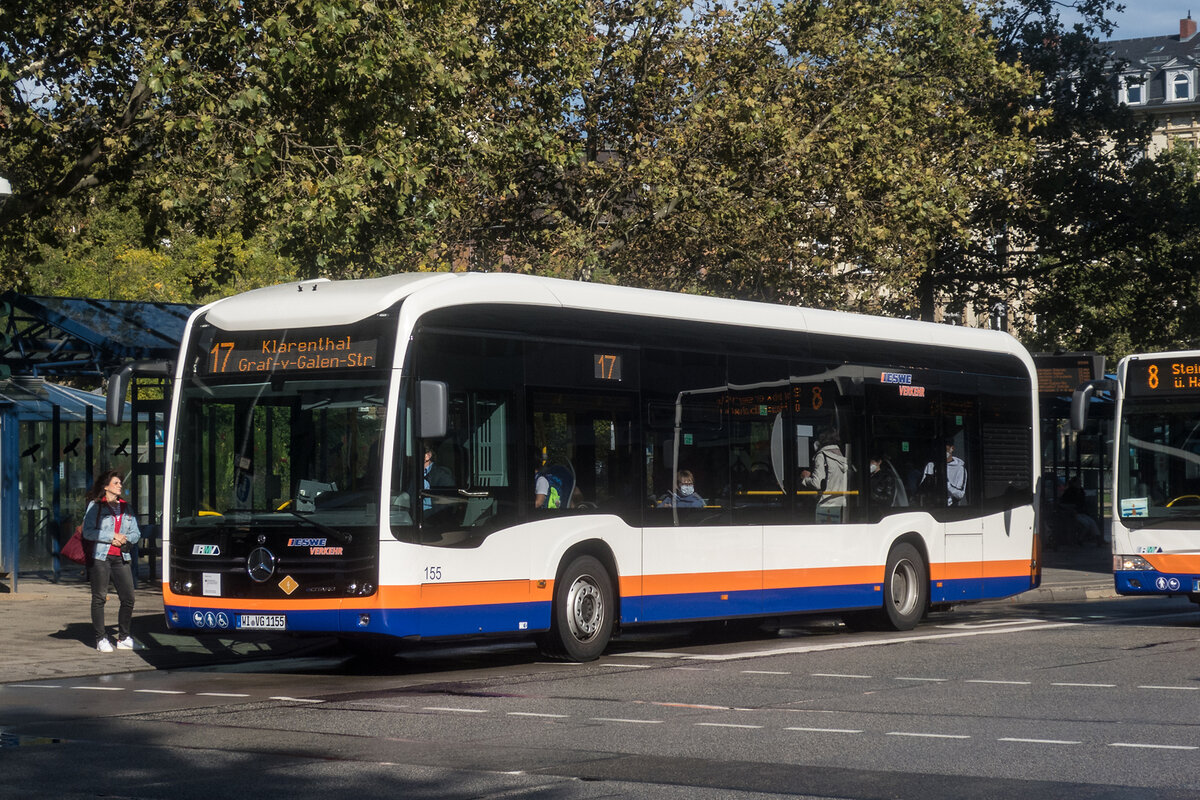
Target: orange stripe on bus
[(821, 576), (693, 583), (961, 570), (1174, 562)]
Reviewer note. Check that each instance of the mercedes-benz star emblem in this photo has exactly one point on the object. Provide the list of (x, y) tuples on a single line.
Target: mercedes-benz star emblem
[(260, 564)]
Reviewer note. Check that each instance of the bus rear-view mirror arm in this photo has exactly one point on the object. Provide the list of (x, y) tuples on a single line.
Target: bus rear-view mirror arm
[(118, 384), (1083, 396)]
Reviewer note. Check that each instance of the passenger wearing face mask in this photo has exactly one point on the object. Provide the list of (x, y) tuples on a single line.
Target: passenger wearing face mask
[(684, 495), (887, 489)]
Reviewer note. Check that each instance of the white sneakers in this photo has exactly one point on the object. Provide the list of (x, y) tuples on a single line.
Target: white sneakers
[(105, 646)]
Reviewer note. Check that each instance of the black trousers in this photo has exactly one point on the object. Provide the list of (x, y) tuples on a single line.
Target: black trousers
[(117, 570)]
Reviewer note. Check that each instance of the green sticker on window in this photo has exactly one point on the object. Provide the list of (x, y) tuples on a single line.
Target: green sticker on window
[(687, 438), (958, 420), (904, 447)]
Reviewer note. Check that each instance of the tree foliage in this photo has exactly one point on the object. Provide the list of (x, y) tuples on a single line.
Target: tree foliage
[(891, 156)]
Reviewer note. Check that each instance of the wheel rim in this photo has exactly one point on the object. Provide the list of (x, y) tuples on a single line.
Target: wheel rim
[(903, 585), (585, 608)]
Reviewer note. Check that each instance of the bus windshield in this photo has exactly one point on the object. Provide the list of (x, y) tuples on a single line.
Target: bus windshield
[(1160, 462), (303, 447)]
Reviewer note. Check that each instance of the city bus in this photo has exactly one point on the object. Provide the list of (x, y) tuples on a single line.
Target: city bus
[(1156, 472), (370, 459)]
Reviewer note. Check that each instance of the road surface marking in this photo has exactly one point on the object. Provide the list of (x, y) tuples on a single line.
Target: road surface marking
[(929, 680), (220, 694), (1088, 685), (533, 714), (631, 721), (298, 699), (839, 675), (929, 735), (1155, 746), (764, 672), (824, 730), (1037, 741), (101, 688), (725, 725), (159, 691), (852, 643), (1002, 683), (456, 710)]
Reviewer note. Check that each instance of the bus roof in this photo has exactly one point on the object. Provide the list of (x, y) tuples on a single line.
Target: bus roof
[(321, 302)]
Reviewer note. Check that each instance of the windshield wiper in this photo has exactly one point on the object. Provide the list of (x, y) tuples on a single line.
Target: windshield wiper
[(341, 536)]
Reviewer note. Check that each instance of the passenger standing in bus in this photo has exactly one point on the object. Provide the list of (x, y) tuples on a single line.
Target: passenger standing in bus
[(828, 477), (956, 476), (110, 529)]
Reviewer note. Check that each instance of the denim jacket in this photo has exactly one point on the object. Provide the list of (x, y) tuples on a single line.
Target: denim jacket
[(100, 525)]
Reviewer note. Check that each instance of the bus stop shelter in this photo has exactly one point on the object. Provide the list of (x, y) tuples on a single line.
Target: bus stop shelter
[(55, 355)]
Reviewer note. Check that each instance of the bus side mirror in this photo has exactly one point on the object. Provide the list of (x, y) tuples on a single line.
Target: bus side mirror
[(433, 410), (118, 384), (1082, 397)]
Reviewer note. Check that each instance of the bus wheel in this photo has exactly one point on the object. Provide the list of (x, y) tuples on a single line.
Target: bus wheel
[(583, 612), (905, 588)]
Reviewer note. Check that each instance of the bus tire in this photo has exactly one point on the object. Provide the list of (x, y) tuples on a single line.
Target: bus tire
[(905, 588), (583, 612)]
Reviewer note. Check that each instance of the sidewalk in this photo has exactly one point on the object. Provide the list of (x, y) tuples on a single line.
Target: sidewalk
[(48, 630), (48, 634)]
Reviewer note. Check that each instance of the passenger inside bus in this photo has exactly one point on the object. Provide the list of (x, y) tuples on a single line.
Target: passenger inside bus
[(553, 487), (684, 494)]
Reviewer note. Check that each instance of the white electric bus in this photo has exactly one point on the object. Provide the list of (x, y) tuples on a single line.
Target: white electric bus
[(370, 459), (1156, 472)]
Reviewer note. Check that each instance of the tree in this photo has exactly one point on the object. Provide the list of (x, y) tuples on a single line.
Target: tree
[(761, 149)]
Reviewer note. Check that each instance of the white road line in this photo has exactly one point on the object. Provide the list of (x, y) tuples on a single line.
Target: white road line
[(34, 685), (726, 725), (839, 675), (928, 735), (298, 699), (1036, 741), (1154, 746), (629, 666), (928, 680), (220, 694), (1173, 688), (100, 688), (695, 669), (763, 672), (158, 691), (631, 721), (824, 730), (849, 644), (1002, 683), (1088, 685), (532, 714), (456, 710), (654, 654)]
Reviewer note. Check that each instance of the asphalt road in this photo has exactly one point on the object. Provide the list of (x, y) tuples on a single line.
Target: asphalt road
[(1082, 700)]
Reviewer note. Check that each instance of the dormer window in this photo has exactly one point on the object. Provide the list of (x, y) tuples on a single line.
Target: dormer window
[(1133, 90), (1179, 86)]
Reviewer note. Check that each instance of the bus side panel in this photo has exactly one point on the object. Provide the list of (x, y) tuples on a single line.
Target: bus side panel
[(701, 572), (822, 568)]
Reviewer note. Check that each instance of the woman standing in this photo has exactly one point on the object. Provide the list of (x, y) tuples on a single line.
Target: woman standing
[(111, 529)]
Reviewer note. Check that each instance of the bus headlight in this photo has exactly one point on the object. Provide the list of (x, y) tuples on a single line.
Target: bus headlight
[(1130, 563)]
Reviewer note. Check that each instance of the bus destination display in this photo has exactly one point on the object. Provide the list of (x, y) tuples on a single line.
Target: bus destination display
[(1163, 377), (272, 352)]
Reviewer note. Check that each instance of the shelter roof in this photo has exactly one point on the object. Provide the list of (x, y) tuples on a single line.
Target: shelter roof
[(71, 336)]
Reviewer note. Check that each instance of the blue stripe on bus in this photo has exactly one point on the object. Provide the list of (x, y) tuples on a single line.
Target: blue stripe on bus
[(960, 590), (1154, 582)]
